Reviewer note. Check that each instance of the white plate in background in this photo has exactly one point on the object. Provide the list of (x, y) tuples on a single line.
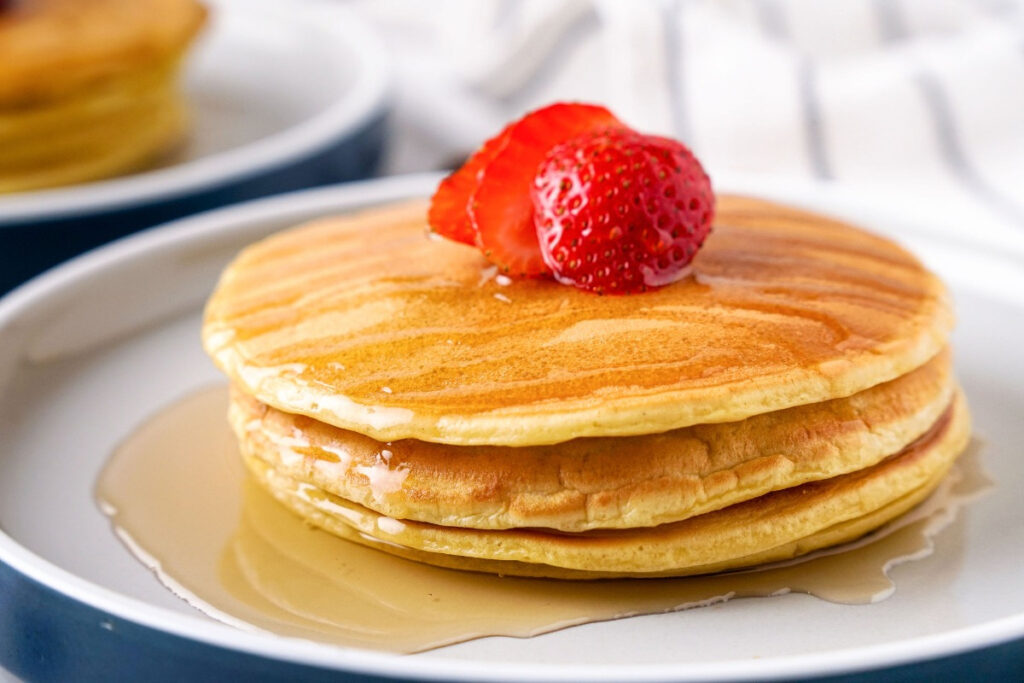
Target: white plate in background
[(270, 83)]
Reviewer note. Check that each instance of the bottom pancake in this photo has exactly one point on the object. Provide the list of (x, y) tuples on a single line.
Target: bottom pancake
[(773, 527)]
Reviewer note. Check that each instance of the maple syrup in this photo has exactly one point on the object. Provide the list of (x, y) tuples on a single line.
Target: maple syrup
[(179, 497)]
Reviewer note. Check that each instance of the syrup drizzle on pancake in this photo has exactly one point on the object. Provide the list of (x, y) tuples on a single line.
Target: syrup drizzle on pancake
[(782, 308)]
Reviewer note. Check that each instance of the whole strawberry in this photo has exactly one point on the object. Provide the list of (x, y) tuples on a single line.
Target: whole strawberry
[(619, 212)]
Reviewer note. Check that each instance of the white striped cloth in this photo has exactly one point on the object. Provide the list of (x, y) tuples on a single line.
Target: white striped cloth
[(916, 103)]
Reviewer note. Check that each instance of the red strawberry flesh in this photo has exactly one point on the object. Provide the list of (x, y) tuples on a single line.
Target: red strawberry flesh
[(619, 212), (500, 208), (449, 207)]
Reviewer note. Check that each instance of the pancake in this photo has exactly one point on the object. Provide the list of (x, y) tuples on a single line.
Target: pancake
[(51, 48), (362, 323), (88, 88), (599, 482), (777, 526)]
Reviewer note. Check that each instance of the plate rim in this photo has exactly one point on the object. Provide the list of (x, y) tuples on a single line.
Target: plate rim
[(351, 196), (363, 100)]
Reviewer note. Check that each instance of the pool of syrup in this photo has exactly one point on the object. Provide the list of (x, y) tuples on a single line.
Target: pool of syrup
[(178, 496)]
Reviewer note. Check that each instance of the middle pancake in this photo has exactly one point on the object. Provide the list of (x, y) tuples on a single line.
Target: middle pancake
[(599, 482)]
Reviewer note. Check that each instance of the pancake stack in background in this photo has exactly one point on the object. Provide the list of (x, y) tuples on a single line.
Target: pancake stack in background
[(794, 392), (89, 88)]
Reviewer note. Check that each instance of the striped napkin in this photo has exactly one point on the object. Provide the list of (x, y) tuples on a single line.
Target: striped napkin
[(917, 104)]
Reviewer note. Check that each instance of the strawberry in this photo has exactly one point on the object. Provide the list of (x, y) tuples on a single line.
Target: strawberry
[(500, 208), (449, 215), (620, 212)]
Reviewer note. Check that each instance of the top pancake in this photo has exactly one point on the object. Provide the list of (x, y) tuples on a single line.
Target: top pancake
[(364, 323), (50, 47)]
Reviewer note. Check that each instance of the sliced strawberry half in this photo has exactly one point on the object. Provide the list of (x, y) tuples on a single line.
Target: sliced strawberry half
[(500, 208), (449, 207)]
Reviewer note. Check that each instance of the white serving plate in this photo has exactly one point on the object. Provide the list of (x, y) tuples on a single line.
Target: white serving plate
[(270, 83), (88, 351)]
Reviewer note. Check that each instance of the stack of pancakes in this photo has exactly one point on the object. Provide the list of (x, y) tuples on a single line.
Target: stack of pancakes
[(89, 88), (794, 392)]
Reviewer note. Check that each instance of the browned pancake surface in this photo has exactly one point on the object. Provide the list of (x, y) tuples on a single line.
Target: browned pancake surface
[(364, 323), (51, 48)]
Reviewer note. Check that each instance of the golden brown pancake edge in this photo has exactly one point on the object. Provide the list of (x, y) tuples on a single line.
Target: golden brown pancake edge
[(363, 323), (778, 526), (600, 482)]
